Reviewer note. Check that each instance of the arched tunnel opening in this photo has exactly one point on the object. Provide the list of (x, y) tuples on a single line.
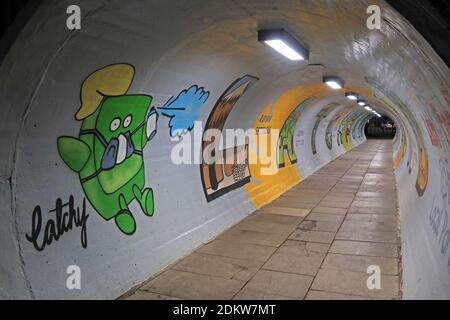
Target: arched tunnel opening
[(224, 150), (380, 128)]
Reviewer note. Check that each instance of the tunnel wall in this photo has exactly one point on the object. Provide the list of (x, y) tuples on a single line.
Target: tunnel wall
[(65, 89)]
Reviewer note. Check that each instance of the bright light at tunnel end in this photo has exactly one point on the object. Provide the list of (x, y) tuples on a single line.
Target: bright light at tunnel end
[(284, 43)]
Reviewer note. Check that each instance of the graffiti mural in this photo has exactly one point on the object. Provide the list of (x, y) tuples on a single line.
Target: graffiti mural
[(441, 123), (432, 132), (319, 117), (329, 134), (422, 172), (115, 128), (286, 138), (346, 126), (338, 122), (229, 169), (438, 217), (66, 218), (277, 114)]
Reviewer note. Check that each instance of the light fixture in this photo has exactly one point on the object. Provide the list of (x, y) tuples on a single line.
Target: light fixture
[(362, 103), (368, 108), (351, 96), (334, 82), (284, 43)]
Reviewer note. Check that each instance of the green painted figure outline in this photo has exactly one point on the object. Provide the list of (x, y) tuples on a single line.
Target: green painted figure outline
[(108, 153), (115, 128)]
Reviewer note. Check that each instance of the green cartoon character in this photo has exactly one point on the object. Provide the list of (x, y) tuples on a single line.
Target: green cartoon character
[(286, 142), (108, 153), (115, 128)]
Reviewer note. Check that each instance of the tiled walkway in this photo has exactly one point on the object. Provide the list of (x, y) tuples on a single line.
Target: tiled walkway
[(314, 242)]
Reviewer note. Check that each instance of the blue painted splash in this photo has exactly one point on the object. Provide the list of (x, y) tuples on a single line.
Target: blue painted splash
[(184, 109)]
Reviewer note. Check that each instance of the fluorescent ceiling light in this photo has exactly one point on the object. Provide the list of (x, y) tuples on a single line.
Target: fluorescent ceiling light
[(334, 82), (284, 49), (351, 96), (368, 108), (362, 103), (284, 43)]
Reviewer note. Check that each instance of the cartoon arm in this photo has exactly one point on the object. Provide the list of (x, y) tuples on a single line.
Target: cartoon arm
[(151, 123), (74, 152)]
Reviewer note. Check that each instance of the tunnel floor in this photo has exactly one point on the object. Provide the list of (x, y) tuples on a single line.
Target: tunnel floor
[(314, 242)]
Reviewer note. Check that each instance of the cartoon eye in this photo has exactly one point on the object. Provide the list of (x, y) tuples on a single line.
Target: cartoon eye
[(127, 121), (114, 124)]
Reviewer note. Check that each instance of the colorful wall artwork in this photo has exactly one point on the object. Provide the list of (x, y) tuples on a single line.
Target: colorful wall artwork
[(281, 114), (320, 116), (286, 139), (220, 177), (422, 155), (345, 129), (115, 128)]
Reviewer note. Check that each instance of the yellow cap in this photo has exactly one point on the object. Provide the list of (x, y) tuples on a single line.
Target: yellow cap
[(112, 80)]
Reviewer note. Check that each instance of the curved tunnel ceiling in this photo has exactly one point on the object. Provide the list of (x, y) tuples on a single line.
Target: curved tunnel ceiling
[(210, 44)]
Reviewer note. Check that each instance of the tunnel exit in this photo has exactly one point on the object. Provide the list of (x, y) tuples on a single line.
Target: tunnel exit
[(380, 128)]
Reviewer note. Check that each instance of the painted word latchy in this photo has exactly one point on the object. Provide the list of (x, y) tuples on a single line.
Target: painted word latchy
[(66, 217)]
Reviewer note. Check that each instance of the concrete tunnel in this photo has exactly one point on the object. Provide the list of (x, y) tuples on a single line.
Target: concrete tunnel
[(173, 69)]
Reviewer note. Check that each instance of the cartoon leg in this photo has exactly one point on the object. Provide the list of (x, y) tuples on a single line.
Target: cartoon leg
[(291, 152), (280, 154), (145, 199), (124, 219)]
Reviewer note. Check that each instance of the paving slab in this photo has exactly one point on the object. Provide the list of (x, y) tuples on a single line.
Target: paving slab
[(187, 285), (266, 284), (355, 283), (312, 236), (238, 250), (388, 266), (324, 217), (315, 225), (223, 267), (375, 249), (295, 259)]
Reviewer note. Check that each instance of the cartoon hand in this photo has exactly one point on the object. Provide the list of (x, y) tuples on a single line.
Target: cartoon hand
[(184, 109), (152, 120)]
